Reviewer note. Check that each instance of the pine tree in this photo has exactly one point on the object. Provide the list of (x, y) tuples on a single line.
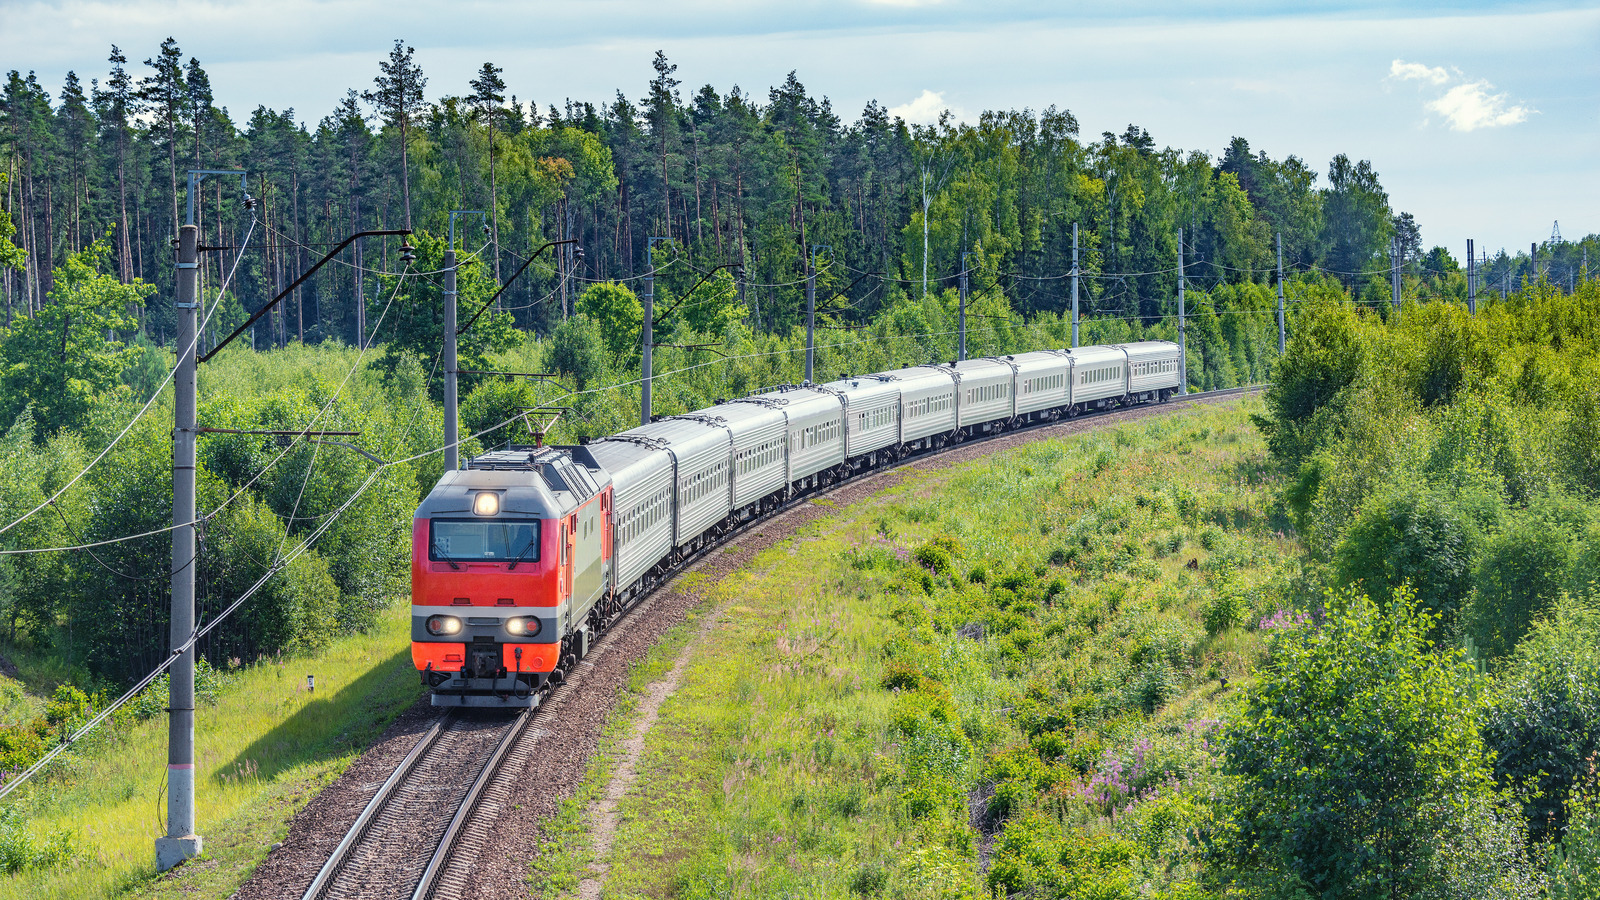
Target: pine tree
[(398, 99), (488, 92), (167, 97)]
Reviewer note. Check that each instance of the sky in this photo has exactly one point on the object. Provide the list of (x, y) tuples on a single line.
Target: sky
[(1481, 118)]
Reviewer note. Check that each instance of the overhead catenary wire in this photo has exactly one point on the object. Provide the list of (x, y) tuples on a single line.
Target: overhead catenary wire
[(154, 395)]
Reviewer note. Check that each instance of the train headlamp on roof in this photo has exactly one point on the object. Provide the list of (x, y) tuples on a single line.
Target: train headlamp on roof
[(486, 503)]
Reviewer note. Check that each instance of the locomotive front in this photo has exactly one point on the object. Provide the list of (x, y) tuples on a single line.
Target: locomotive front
[(508, 558)]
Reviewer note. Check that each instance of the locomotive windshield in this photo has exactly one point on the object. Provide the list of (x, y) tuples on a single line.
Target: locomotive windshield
[(462, 540)]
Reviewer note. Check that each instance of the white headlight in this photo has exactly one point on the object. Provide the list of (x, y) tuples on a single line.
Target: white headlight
[(486, 503)]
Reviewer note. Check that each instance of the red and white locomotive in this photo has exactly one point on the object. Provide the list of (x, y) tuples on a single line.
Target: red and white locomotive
[(524, 557)]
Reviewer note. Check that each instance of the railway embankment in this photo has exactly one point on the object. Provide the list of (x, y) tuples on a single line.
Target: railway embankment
[(905, 692)]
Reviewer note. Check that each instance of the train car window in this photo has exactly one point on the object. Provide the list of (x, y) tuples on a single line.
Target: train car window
[(475, 539)]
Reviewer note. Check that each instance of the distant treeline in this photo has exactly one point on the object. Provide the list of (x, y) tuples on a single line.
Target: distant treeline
[(726, 177)]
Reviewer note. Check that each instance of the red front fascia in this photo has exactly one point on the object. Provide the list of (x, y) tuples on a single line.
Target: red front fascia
[(484, 584)]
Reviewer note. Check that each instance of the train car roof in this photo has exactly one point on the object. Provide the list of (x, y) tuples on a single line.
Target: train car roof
[(1097, 355)]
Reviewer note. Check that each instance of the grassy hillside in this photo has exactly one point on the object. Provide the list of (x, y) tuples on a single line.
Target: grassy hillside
[(264, 747), (998, 677)]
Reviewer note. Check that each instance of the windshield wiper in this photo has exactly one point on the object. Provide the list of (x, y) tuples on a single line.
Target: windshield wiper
[(444, 554), (524, 552)]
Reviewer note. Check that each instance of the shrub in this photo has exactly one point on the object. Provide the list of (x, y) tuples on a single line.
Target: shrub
[(1409, 536), (1357, 750), (1519, 576), (1226, 610), (935, 558), (1543, 716)]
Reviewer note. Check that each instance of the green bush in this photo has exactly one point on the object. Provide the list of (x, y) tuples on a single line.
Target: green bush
[(1521, 572), (1410, 537), (1543, 716), (1357, 750)]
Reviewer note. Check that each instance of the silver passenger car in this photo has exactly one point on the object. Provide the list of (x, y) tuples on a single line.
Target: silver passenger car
[(927, 404), (760, 435), (1042, 381), (641, 502), (1099, 375), (871, 413), (985, 399), (1152, 368), (815, 432)]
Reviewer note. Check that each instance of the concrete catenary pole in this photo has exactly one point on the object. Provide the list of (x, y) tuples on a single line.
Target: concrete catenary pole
[(647, 333), (452, 399), (1183, 346), (1394, 271), (1472, 280), (1282, 338), (452, 429), (181, 842), (962, 323), (1074, 284)]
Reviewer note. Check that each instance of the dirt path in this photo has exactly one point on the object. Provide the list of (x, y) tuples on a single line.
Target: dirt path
[(603, 814)]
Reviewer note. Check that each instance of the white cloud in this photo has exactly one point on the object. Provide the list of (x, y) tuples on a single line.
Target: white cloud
[(1470, 106), (1417, 71), (924, 110)]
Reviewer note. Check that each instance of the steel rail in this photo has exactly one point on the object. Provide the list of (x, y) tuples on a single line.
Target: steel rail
[(341, 854)]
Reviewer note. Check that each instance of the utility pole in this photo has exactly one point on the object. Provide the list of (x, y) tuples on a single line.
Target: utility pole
[(1394, 271), (181, 842), (1183, 347), (962, 348), (647, 332), (1533, 262), (452, 404), (1282, 342), (1472, 280), (1074, 284)]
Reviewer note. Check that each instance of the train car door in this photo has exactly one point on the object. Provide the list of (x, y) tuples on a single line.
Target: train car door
[(569, 556)]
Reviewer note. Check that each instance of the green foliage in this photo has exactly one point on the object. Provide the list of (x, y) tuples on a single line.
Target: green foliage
[(411, 308), (22, 850), (1359, 747), (1322, 358), (1520, 574), (1574, 866), (1543, 717), (1415, 540), (60, 360), (616, 312), (577, 350)]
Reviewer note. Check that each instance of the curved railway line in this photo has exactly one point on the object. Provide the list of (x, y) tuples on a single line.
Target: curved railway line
[(452, 775)]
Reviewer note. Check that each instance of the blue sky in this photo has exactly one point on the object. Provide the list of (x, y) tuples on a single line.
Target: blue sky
[(1483, 119)]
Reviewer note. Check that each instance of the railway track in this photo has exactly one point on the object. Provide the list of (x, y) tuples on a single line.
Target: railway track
[(418, 837)]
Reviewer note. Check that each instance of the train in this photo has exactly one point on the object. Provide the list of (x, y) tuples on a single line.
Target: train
[(523, 557)]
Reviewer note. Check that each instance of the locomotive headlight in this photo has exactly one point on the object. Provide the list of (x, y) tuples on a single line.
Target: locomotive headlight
[(486, 503), (443, 625), (526, 627)]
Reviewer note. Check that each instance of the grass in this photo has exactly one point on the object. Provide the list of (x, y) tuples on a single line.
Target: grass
[(263, 750), (1016, 661)]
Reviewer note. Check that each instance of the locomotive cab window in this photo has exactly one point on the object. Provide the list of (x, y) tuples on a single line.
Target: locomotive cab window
[(456, 540)]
